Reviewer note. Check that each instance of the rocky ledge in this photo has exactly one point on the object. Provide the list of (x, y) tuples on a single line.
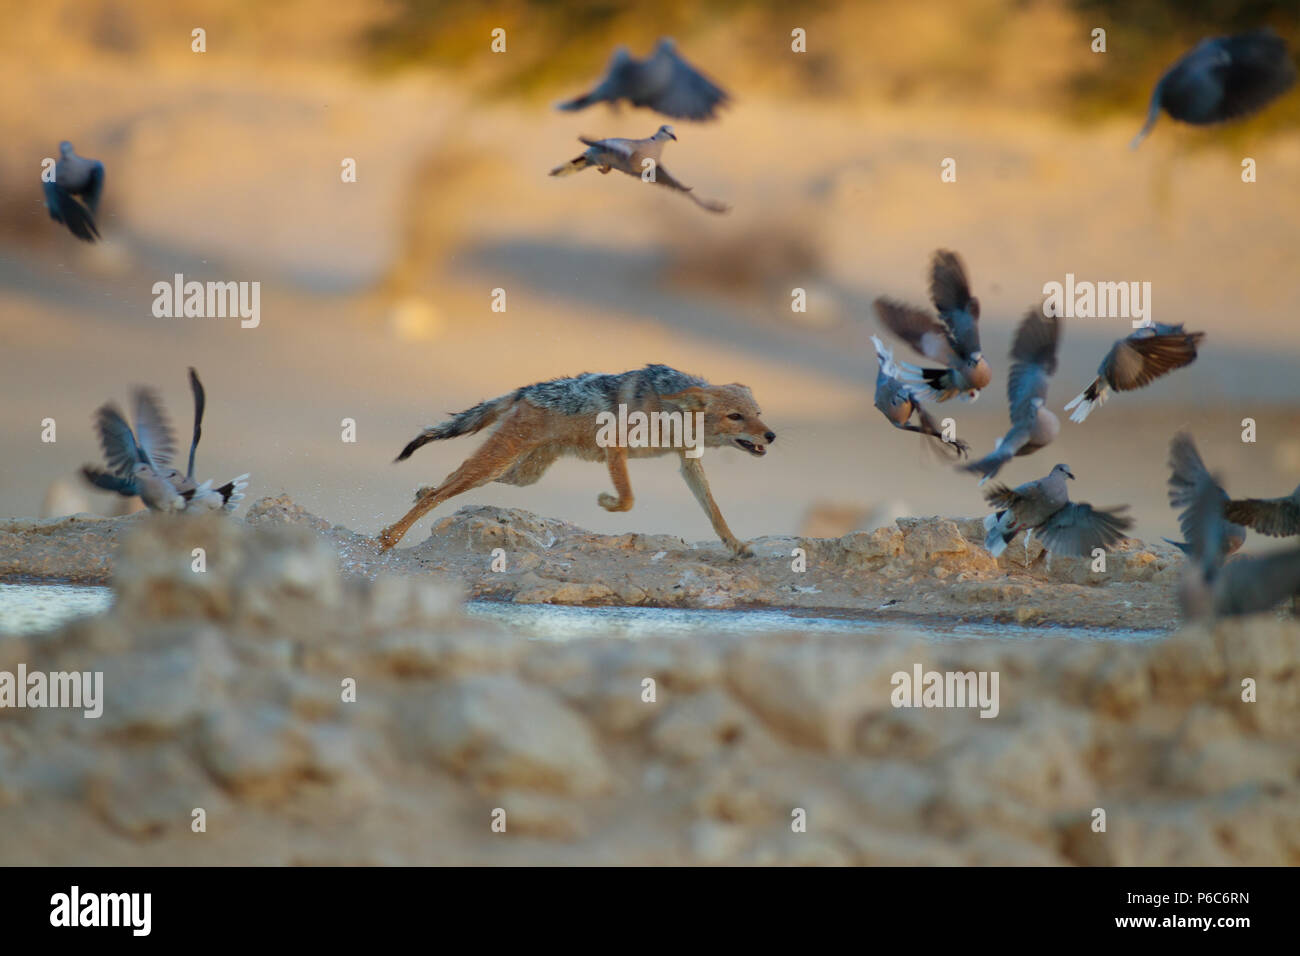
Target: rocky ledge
[(916, 568)]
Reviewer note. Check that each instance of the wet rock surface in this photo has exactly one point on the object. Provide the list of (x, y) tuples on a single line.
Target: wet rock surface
[(319, 715)]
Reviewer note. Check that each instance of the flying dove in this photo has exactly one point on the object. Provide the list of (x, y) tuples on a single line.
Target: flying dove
[(1033, 362), (1066, 527), (1275, 517), (1222, 78), (1211, 588), (73, 197), (954, 341), (663, 81), (1186, 471), (139, 462), (898, 402), (1135, 361), (634, 157)]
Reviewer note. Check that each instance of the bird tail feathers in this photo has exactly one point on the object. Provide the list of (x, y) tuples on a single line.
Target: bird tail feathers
[(575, 165), (1094, 396)]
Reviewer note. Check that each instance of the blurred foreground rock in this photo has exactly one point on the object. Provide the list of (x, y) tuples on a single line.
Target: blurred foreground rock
[(320, 717)]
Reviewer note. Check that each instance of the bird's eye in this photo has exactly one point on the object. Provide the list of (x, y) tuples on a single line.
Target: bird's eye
[(736, 417)]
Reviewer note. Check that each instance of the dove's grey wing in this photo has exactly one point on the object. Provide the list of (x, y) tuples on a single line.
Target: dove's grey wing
[(94, 186), (1036, 341), (1139, 360), (950, 292), (621, 79), (109, 481), (665, 178), (687, 93), (1248, 585), (918, 328), (1204, 525), (117, 441), (625, 155), (1078, 528), (65, 208), (153, 431), (1004, 498), (1186, 469), (200, 401), (1275, 517)]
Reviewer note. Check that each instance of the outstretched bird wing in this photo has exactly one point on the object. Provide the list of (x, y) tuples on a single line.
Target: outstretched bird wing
[(117, 440), (950, 292), (1275, 517), (200, 401), (918, 328), (1139, 360), (153, 431), (1078, 528), (687, 93)]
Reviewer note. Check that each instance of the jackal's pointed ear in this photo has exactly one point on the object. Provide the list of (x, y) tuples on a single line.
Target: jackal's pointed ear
[(693, 399)]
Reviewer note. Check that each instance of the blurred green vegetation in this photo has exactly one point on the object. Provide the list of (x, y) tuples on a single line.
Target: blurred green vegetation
[(557, 44), (550, 42)]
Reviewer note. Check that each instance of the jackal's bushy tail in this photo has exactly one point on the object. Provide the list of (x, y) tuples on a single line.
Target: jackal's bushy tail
[(575, 165), (463, 423)]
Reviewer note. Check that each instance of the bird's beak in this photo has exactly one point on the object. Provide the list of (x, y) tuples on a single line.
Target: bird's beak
[(674, 136), (1071, 474)]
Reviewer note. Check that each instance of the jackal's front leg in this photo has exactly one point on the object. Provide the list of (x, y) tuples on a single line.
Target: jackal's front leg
[(616, 460), (698, 482)]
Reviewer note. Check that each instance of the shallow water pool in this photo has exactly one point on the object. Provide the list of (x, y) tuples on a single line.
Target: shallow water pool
[(31, 608)]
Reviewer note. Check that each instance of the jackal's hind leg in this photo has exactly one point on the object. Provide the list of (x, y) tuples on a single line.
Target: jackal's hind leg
[(494, 458)]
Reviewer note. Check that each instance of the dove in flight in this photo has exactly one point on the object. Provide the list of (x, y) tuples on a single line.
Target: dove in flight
[(953, 339), (898, 402), (663, 81), (1212, 588), (1222, 78), (636, 157), (1186, 471), (1135, 361), (73, 197), (1033, 362)]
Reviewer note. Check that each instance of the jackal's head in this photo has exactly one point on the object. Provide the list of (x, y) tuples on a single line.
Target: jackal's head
[(731, 417)]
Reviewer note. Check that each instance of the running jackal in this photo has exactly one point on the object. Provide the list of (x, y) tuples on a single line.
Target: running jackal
[(537, 424)]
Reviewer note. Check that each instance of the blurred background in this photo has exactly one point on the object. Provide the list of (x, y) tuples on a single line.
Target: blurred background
[(376, 295)]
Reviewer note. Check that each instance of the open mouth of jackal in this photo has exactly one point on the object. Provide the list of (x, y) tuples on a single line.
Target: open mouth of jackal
[(754, 448)]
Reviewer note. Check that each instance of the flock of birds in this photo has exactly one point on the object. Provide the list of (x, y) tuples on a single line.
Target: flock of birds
[(1213, 524), (1220, 79)]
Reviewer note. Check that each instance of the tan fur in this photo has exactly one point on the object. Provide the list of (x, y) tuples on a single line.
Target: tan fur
[(528, 439)]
